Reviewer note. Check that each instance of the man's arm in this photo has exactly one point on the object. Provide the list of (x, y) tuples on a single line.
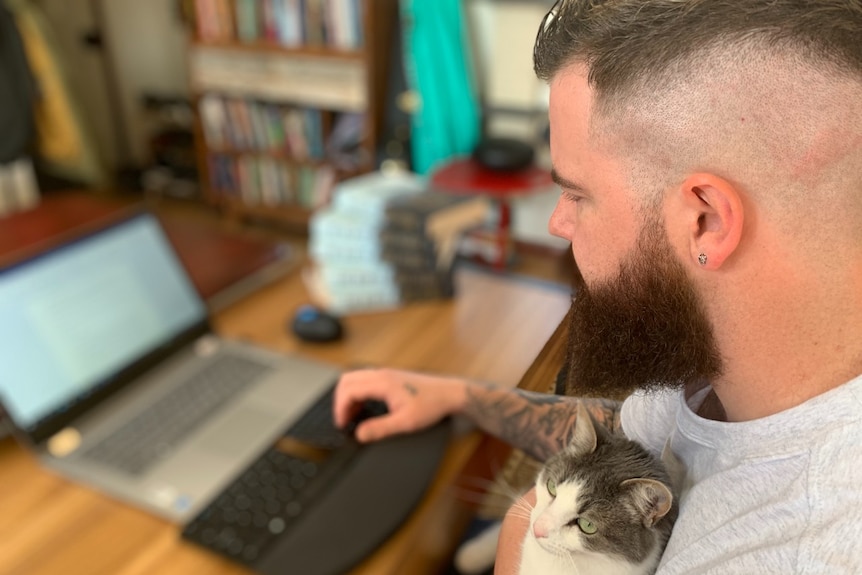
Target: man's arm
[(537, 423)]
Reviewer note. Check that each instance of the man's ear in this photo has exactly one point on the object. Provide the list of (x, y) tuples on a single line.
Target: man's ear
[(713, 212)]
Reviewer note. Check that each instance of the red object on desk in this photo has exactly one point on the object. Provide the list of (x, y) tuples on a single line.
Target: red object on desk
[(467, 177)]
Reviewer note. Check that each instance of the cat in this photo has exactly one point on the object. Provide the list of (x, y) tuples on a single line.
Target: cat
[(604, 506)]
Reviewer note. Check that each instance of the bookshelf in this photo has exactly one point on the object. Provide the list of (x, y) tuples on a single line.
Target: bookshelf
[(288, 98)]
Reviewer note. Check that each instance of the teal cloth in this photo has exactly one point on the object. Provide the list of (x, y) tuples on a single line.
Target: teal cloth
[(438, 68)]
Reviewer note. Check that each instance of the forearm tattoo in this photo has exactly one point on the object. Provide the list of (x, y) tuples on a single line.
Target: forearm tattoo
[(539, 424)]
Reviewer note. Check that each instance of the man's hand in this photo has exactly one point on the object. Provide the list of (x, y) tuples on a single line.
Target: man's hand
[(514, 529), (415, 401)]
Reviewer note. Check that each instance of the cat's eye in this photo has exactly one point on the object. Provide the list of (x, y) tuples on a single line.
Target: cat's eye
[(587, 526), (552, 487)]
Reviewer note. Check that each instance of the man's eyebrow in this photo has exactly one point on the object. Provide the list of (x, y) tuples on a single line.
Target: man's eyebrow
[(565, 182)]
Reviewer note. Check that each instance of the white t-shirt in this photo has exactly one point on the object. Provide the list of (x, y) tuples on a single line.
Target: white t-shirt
[(782, 494)]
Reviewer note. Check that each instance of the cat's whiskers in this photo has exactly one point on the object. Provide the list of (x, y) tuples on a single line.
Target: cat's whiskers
[(574, 565), (476, 481), (504, 488), (475, 490), (468, 496), (488, 492), (522, 509)]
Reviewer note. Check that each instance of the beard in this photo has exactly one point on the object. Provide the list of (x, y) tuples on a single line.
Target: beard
[(645, 328)]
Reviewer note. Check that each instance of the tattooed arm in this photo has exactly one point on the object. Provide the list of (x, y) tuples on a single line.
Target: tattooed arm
[(537, 423)]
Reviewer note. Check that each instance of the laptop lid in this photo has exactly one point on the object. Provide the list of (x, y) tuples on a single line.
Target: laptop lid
[(82, 320)]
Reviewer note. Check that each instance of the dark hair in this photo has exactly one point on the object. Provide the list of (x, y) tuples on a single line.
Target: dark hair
[(632, 43)]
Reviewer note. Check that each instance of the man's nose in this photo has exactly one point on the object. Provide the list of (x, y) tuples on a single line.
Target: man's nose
[(558, 224)]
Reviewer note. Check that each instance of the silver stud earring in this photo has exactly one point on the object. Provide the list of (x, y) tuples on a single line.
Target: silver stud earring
[(702, 259)]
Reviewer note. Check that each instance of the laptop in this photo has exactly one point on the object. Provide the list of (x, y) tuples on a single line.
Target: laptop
[(113, 377)]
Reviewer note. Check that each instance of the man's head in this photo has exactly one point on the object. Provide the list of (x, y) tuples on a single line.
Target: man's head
[(680, 128)]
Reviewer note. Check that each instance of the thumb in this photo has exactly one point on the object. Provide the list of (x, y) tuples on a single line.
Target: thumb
[(376, 428)]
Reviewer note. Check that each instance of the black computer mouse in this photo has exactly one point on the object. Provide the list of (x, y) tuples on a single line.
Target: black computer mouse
[(312, 324)]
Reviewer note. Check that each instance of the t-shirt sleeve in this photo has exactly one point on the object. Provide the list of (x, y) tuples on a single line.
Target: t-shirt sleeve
[(650, 417)]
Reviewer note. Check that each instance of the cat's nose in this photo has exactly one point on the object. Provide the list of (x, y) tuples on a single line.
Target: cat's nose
[(540, 530)]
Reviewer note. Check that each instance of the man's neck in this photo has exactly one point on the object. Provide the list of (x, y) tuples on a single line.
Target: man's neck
[(778, 378), (801, 347)]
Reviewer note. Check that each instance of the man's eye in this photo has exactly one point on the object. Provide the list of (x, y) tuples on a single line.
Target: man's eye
[(570, 197)]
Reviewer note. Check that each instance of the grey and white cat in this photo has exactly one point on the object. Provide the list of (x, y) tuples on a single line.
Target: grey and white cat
[(604, 506)]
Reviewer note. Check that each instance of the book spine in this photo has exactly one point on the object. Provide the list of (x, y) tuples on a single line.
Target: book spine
[(247, 20), (269, 24), (226, 28), (214, 121), (206, 20)]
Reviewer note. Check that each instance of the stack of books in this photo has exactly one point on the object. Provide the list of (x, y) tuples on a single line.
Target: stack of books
[(386, 241)]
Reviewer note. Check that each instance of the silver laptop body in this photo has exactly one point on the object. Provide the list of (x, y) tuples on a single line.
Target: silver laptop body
[(98, 336)]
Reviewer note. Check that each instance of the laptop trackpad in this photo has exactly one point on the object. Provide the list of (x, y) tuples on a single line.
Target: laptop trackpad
[(239, 430)]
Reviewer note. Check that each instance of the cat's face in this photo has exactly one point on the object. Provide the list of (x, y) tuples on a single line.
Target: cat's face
[(559, 521), (603, 495)]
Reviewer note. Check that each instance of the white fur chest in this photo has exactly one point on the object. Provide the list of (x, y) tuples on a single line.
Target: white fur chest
[(537, 561)]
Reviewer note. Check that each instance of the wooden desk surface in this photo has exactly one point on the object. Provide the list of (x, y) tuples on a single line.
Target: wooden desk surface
[(492, 330)]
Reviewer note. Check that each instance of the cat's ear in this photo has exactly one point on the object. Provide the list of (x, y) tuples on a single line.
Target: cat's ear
[(583, 439), (651, 498)]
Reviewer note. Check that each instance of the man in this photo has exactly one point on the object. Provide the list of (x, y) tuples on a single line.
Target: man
[(709, 155)]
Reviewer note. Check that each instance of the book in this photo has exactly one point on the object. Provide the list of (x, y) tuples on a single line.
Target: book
[(373, 287), (214, 120), (385, 240), (247, 20), (315, 25), (437, 214), (294, 129), (288, 20), (206, 19), (442, 217), (225, 19), (350, 298), (366, 197), (333, 251), (329, 224)]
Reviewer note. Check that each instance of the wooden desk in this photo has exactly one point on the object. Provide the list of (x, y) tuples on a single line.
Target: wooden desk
[(492, 330)]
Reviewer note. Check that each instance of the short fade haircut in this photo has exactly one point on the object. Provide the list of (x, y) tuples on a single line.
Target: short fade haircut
[(629, 44), (765, 93)]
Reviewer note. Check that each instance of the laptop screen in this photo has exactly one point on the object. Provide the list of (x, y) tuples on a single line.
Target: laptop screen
[(73, 318)]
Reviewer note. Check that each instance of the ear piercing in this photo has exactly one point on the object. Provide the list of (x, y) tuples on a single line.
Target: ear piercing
[(702, 259)]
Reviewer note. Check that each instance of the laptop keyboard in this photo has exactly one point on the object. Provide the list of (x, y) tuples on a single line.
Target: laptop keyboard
[(274, 492), (152, 434)]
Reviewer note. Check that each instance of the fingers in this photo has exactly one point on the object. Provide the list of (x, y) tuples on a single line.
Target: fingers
[(415, 401), (377, 428), (352, 389)]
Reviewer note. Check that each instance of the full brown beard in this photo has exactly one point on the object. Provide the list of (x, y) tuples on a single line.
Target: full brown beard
[(645, 328)]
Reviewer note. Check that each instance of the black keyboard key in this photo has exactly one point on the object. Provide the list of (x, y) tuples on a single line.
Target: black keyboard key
[(274, 492)]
